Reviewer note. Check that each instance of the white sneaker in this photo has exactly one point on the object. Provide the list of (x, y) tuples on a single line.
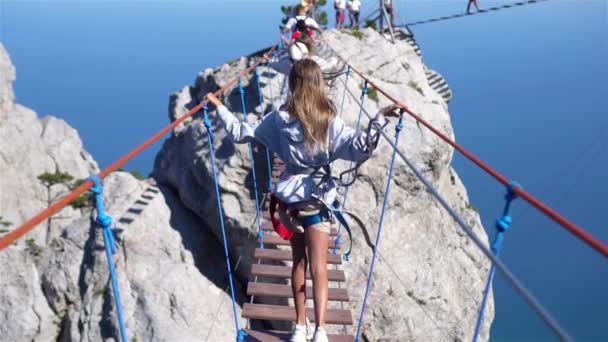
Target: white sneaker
[(310, 330), (299, 334), (320, 335)]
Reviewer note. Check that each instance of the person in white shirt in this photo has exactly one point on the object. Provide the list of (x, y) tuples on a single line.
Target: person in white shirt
[(354, 9), (340, 7), (301, 16), (390, 10)]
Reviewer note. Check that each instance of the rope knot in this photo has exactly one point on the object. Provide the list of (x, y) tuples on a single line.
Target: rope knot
[(511, 195), (103, 220), (206, 120), (96, 189), (399, 127), (241, 335), (504, 223)]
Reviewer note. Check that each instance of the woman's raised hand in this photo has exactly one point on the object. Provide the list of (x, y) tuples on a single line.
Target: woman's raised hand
[(213, 99), (391, 111)]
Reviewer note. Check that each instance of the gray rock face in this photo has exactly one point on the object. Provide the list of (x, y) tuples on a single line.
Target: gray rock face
[(56, 286), (7, 76), (29, 147), (429, 278), (170, 271)]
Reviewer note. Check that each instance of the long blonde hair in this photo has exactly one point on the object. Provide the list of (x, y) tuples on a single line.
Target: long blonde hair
[(309, 103)]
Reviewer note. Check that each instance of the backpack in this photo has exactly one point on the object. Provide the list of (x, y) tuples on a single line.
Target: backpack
[(301, 26)]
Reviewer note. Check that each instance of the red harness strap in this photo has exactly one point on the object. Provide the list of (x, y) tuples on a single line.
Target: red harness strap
[(283, 232)]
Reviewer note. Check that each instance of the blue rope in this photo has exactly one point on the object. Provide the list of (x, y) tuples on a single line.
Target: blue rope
[(105, 222), (502, 225), (268, 159), (240, 333), (364, 92), (344, 94), (506, 272), (251, 155), (380, 223)]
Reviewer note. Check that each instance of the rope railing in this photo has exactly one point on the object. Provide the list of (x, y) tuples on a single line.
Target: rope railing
[(573, 228), (17, 233), (509, 276)]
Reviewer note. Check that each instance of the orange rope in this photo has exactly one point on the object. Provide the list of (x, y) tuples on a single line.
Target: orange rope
[(11, 237), (573, 228)]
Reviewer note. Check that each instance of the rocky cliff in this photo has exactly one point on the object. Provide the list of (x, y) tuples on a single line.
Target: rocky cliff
[(430, 277), (54, 281)]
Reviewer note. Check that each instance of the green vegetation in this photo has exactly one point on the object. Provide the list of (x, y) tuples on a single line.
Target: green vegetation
[(322, 19), (134, 173), (416, 87), (5, 223), (49, 179), (137, 174), (355, 32), (100, 292), (82, 201), (416, 299), (471, 207), (370, 23), (373, 94), (33, 248)]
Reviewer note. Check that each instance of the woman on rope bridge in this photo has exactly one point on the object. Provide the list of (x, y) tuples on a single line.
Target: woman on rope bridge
[(300, 45), (301, 24), (307, 135)]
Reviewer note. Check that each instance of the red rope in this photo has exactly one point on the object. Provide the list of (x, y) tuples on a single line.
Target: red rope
[(551, 213), (11, 237)]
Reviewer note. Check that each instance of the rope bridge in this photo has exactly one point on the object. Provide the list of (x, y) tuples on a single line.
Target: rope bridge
[(266, 237), (481, 11)]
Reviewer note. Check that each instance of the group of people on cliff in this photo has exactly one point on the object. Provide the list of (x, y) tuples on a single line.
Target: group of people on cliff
[(307, 135)]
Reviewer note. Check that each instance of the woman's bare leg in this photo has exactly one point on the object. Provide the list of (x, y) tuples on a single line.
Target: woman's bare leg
[(298, 276), (317, 243)]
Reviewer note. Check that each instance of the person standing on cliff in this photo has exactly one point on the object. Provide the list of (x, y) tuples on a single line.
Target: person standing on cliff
[(307, 135), (354, 10), (340, 7), (390, 10), (474, 2)]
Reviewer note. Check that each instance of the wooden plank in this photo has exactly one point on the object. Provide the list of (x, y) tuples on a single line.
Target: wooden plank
[(284, 291), (277, 254), (275, 240), (288, 313), (267, 227), (284, 272), (282, 336)]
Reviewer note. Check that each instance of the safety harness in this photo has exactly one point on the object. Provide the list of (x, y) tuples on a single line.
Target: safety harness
[(323, 174)]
